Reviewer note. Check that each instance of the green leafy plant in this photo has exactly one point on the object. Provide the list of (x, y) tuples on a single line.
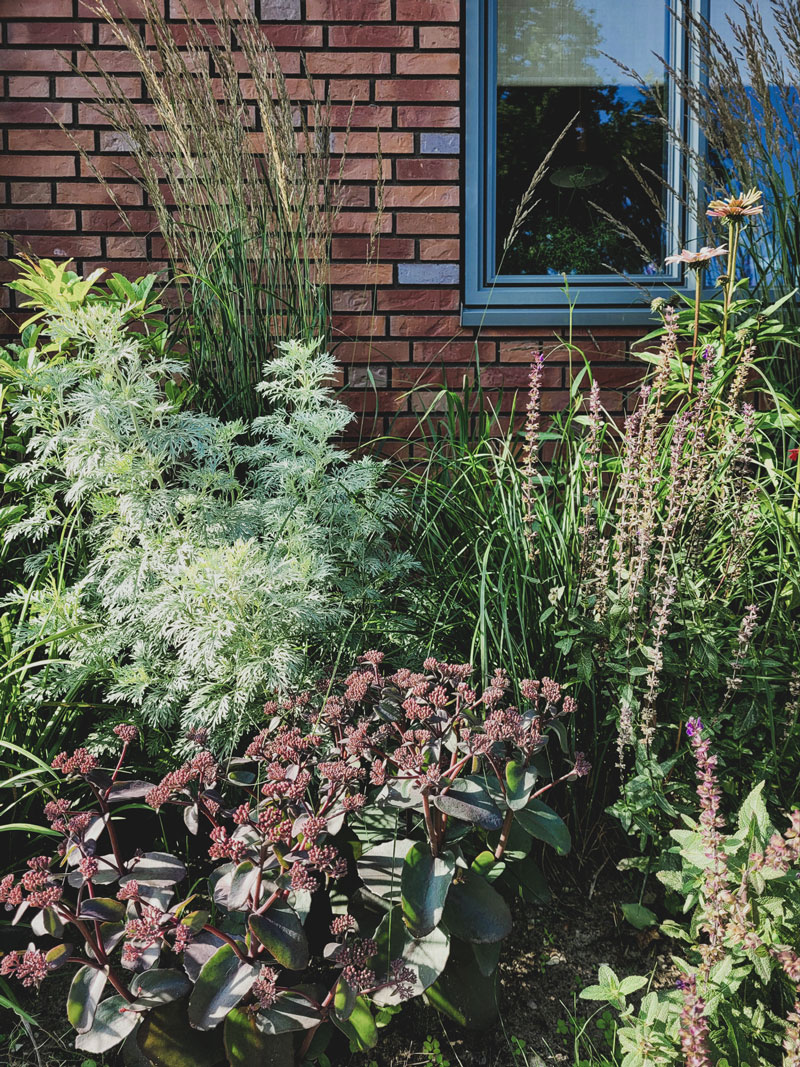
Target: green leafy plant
[(660, 557), (396, 809), (738, 998), (204, 565)]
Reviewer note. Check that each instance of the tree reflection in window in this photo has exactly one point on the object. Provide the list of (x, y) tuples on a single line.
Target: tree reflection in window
[(553, 62)]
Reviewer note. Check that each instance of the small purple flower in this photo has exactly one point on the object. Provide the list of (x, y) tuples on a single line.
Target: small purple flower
[(694, 726)]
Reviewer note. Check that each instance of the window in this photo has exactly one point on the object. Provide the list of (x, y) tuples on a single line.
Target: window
[(531, 66)]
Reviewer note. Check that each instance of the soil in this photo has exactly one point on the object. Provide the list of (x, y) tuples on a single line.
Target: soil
[(553, 953)]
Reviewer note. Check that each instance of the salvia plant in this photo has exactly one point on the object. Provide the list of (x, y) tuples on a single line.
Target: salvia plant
[(361, 852), (207, 562), (737, 999)]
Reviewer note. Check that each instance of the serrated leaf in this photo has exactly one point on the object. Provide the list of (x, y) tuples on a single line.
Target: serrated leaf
[(112, 1023), (84, 996), (221, 984), (475, 912), (631, 984), (639, 916), (280, 931), (425, 881)]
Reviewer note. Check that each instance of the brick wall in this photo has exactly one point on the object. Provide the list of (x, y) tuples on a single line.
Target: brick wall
[(399, 63)]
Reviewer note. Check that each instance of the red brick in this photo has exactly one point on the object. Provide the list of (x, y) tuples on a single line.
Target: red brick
[(41, 166), (428, 222), (82, 89), (37, 59), (30, 193), (354, 196), (351, 300), (361, 273), (453, 351), (361, 222), (63, 34), (132, 8), (349, 63), (500, 376), (428, 63), (180, 33), (425, 326), (422, 196), (359, 169), (358, 248), (417, 89), (127, 247), (132, 268), (349, 10), (430, 168), (89, 115), (360, 116), (199, 9), (34, 114), (428, 10), (80, 193), (36, 219), (424, 117), (372, 352), (371, 36), (348, 89), (438, 249), (110, 221), (22, 85), (356, 142), (36, 9), (406, 299), (294, 35), (439, 36), (350, 327)]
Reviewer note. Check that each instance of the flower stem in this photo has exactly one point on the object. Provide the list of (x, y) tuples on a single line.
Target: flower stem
[(698, 274)]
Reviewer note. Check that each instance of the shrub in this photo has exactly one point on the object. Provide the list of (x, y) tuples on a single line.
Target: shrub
[(209, 565), (738, 998), (394, 811), (659, 557)]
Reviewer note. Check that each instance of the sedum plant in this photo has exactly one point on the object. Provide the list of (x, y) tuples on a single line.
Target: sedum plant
[(737, 1000), (212, 562), (352, 859)]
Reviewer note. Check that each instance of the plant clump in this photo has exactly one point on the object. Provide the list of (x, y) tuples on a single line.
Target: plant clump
[(360, 852)]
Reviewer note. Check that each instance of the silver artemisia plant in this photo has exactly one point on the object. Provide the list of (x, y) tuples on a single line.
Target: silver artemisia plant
[(215, 564)]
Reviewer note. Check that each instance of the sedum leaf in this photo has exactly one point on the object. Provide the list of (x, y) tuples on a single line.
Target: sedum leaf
[(223, 981), (112, 1023), (425, 881), (280, 932), (84, 996)]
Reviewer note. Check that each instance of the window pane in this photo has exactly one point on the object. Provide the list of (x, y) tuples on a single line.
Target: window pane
[(553, 61)]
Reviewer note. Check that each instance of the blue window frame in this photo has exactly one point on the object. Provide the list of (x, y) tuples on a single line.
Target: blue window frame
[(494, 295)]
